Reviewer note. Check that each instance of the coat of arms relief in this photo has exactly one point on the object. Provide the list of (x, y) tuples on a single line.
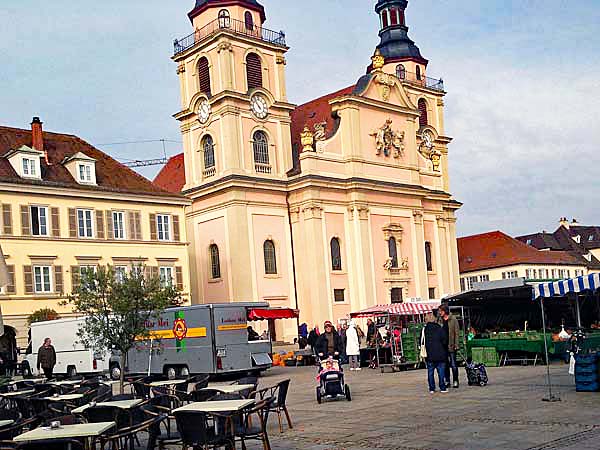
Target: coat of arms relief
[(388, 141)]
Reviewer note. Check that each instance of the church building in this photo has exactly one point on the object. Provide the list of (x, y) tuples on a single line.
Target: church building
[(329, 207)]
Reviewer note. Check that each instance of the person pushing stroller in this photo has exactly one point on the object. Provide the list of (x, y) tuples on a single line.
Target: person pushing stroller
[(329, 342), (330, 374)]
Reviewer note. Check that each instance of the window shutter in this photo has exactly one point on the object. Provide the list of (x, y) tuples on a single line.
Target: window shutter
[(153, 227), (72, 223), (176, 236), (423, 121), (7, 219), (179, 278), (74, 278), (58, 279), (109, 225), (147, 273), (99, 224), (10, 288), (137, 217), (28, 276), (55, 213), (204, 76), (154, 271), (25, 230), (253, 71), (131, 216)]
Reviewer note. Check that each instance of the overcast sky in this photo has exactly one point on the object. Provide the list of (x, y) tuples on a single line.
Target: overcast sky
[(522, 78)]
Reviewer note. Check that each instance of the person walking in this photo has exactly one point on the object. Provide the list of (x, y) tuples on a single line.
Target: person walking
[(436, 347), (329, 342), (46, 358), (371, 331), (353, 346), (313, 337), (452, 329)]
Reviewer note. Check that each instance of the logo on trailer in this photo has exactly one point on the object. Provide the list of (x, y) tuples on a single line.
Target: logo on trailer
[(180, 329)]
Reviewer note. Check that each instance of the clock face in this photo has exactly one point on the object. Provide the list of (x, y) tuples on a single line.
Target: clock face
[(259, 106), (204, 111)]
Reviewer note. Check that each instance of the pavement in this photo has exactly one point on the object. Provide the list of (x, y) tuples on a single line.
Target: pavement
[(396, 411)]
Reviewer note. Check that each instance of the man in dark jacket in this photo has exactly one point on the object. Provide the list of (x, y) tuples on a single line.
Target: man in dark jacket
[(452, 329), (371, 334), (329, 342), (313, 337), (436, 345), (46, 358)]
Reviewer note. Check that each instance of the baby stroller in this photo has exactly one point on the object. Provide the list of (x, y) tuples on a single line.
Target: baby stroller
[(331, 381), (476, 373)]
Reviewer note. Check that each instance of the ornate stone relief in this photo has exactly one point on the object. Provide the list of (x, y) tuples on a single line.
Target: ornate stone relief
[(181, 68), (224, 46), (428, 151), (281, 60), (320, 131), (402, 265), (384, 80), (307, 140), (388, 141), (312, 211)]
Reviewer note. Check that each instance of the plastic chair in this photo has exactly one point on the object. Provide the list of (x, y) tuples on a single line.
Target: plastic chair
[(155, 433), (203, 395), (8, 433), (199, 381), (119, 440)]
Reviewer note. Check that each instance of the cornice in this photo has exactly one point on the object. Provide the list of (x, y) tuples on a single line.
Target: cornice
[(339, 102)]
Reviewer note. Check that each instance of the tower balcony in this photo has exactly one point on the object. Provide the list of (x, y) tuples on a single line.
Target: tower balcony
[(236, 27), (421, 80)]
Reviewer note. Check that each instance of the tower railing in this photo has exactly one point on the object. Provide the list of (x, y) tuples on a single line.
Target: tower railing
[(234, 26), (421, 80)]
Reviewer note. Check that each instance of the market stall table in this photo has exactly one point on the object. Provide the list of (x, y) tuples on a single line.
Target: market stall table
[(82, 430)]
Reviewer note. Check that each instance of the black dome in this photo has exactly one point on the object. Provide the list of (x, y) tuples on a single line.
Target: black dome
[(201, 4)]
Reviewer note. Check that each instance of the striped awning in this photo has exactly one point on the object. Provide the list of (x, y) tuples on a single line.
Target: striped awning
[(589, 282), (399, 309)]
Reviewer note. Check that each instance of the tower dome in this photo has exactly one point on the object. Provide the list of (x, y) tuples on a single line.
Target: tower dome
[(203, 5), (395, 44)]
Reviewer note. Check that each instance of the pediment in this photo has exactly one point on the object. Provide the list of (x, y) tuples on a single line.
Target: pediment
[(385, 87)]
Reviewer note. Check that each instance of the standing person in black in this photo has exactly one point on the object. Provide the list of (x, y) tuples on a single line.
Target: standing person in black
[(452, 330), (329, 342), (46, 358), (313, 337), (436, 345)]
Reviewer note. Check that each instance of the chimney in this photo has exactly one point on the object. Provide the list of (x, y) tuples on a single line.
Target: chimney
[(37, 137), (564, 222)]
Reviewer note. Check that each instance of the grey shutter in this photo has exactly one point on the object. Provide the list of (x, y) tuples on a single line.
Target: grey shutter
[(176, 236), (179, 278), (10, 288), (131, 216), (99, 224), (110, 234), (58, 280), (75, 276), (72, 223), (153, 227), (7, 219), (138, 226), (25, 230), (55, 213), (28, 277)]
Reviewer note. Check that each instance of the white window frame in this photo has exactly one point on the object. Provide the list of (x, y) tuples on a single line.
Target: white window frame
[(29, 167), (42, 224), (44, 273), (163, 227), (167, 276), (120, 272), (84, 173), (118, 233), (88, 231)]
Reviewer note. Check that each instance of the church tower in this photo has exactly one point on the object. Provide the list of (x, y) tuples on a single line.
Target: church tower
[(235, 123)]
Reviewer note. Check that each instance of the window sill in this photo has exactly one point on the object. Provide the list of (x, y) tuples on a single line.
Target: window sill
[(272, 276), (339, 272), (215, 280)]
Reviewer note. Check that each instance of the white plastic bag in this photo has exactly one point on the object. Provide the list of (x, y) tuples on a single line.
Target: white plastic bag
[(572, 364)]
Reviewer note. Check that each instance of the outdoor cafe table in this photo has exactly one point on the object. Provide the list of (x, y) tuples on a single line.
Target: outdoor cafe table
[(81, 430), (229, 388), (222, 406), (64, 397), (17, 393), (121, 404), (4, 423), (166, 383)]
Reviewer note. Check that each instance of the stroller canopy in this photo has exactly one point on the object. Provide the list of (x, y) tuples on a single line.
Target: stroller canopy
[(398, 309)]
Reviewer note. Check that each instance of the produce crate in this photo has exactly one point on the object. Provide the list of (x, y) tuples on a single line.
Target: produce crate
[(587, 386), (485, 355)]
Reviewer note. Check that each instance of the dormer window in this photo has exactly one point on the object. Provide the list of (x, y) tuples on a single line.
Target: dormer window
[(25, 161), (85, 173), (82, 168), (577, 239)]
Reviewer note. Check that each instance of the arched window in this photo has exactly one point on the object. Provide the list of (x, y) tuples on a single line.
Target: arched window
[(423, 112), (260, 147), (215, 262), (270, 258), (208, 147), (393, 252), (418, 72), (394, 16), (384, 18), (204, 76), (336, 255), (401, 71), (249, 21), (253, 71), (428, 259), (224, 19)]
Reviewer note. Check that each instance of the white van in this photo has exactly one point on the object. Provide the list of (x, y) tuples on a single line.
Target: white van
[(72, 357)]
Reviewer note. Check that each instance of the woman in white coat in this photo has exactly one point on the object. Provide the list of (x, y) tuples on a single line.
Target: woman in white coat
[(353, 346)]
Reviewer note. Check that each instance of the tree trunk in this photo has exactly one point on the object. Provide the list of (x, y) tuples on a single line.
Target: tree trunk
[(122, 375)]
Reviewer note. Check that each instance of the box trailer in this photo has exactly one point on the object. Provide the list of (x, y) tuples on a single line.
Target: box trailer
[(72, 357), (211, 338)]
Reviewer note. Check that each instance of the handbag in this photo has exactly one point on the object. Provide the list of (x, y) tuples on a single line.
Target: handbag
[(423, 350)]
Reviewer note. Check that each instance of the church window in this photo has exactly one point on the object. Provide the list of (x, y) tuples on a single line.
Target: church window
[(204, 76), (253, 71), (215, 262), (208, 147), (401, 71), (270, 258), (393, 252), (428, 259), (260, 147), (394, 16), (224, 19), (418, 72), (336, 255), (423, 112), (249, 21)]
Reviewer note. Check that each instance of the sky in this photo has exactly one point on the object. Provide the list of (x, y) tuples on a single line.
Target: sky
[(523, 82)]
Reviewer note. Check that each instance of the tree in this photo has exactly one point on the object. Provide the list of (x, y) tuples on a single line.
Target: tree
[(116, 309), (42, 315)]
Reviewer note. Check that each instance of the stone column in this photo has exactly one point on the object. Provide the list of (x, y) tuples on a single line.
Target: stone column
[(420, 267), (363, 276)]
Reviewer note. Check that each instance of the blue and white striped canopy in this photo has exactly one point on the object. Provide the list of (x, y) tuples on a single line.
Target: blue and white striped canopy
[(589, 282)]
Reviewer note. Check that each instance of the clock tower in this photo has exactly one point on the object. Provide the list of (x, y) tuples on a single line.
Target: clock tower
[(235, 122)]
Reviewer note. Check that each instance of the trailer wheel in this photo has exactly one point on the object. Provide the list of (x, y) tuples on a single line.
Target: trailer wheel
[(26, 370), (115, 372), (71, 371), (184, 372)]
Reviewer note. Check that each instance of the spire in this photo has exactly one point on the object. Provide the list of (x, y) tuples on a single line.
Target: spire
[(395, 44)]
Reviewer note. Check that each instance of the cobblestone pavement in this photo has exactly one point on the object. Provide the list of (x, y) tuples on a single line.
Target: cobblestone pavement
[(396, 411)]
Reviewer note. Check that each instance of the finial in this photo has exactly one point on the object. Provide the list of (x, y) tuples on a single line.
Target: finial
[(307, 139), (378, 60)]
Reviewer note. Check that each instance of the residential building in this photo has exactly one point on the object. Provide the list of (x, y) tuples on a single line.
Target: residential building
[(329, 207), (497, 256), (66, 206)]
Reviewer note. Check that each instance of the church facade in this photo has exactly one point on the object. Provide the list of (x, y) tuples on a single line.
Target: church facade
[(329, 207)]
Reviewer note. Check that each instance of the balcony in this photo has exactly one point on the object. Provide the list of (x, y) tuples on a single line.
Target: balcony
[(262, 168), (422, 81), (233, 26), (209, 172)]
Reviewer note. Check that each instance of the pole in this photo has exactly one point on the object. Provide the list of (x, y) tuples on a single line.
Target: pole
[(551, 397), (578, 313), (150, 357)]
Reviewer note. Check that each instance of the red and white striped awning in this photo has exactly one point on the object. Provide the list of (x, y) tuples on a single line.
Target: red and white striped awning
[(398, 309)]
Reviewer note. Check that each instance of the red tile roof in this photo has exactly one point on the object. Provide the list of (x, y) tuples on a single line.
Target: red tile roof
[(316, 111), (172, 176), (496, 249), (110, 174)]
